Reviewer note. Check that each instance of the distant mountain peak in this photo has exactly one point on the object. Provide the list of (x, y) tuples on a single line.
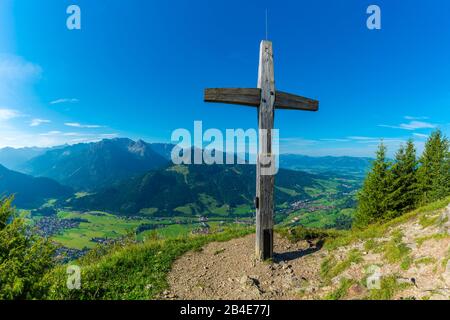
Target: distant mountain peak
[(92, 165)]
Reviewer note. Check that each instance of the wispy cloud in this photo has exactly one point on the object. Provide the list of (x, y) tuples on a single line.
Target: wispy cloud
[(416, 118), (412, 125), (362, 138), (79, 125), (335, 140), (65, 100), (51, 133), (420, 135), (13, 68), (109, 135), (38, 122), (415, 123), (7, 114)]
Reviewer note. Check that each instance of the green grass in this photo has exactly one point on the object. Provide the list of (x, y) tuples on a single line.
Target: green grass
[(380, 230), (395, 251), (290, 192), (149, 211), (180, 169), (427, 221), (389, 286), (79, 195), (50, 203), (446, 259), (175, 230), (188, 209), (301, 233), (136, 271), (438, 236), (341, 291), (331, 268), (370, 245), (425, 261), (99, 225), (244, 209)]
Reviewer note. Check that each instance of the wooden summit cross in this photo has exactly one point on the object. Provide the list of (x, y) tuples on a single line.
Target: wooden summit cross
[(266, 99)]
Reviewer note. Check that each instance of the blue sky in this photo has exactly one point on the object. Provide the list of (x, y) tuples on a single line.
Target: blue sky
[(138, 69)]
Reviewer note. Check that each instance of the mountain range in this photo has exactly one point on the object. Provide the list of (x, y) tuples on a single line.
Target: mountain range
[(30, 192), (125, 176), (14, 159), (344, 165), (195, 189), (89, 166)]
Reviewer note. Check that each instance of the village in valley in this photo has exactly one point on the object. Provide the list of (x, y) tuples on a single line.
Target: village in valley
[(77, 232)]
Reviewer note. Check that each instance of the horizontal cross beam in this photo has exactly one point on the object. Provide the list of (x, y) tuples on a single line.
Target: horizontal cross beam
[(252, 97)]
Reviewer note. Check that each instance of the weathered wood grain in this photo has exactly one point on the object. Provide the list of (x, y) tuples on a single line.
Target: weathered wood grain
[(266, 99), (264, 180), (293, 102), (252, 97), (242, 96)]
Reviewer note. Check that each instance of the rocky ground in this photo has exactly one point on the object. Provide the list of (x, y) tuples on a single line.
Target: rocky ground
[(413, 256)]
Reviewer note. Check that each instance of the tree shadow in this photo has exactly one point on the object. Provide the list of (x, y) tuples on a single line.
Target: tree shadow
[(293, 255)]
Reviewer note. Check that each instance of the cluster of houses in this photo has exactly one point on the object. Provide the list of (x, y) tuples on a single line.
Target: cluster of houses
[(64, 255), (49, 226)]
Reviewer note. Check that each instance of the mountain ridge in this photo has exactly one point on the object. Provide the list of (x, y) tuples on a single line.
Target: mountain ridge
[(30, 192), (88, 166)]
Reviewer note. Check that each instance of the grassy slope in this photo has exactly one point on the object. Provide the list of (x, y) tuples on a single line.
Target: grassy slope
[(378, 230), (136, 271), (392, 250)]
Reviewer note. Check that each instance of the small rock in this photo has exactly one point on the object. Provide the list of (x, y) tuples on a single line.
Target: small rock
[(356, 291), (247, 281)]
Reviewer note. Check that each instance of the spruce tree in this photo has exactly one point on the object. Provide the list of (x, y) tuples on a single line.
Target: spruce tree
[(373, 202), (24, 257), (433, 173), (403, 195)]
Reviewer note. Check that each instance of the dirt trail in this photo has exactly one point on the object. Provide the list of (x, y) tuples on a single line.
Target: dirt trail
[(228, 271)]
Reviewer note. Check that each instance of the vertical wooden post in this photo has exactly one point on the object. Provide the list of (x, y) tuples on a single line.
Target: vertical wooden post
[(265, 182), (264, 99)]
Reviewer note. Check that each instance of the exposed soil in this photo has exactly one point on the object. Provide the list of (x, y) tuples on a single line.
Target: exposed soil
[(229, 271)]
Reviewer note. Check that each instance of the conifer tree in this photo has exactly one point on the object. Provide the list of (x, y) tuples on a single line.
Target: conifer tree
[(373, 202), (24, 258), (433, 173), (403, 195)]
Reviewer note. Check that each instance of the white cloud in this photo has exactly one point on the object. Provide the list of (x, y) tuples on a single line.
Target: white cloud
[(79, 125), (38, 122), (412, 125), (65, 100), (109, 135), (72, 134), (416, 118), (362, 138), (420, 135), (335, 140), (13, 68), (7, 114), (51, 133)]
